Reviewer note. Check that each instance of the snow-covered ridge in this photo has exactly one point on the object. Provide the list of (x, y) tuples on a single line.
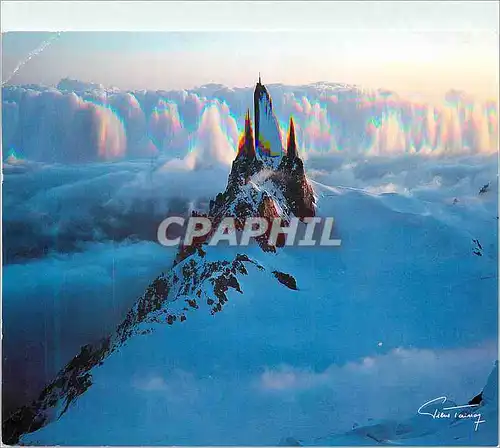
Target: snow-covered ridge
[(199, 282)]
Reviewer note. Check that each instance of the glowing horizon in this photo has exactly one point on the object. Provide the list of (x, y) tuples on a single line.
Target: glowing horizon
[(413, 63)]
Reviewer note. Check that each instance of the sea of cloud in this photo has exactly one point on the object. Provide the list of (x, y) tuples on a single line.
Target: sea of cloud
[(201, 126), (306, 404)]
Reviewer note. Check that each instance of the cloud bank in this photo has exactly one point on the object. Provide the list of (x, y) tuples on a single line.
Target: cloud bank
[(81, 123)]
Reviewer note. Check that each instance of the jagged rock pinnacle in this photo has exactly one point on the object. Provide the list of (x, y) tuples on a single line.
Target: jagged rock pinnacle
[(258, 93), (246, 146), (284, 174), (267, 133), (293, 180), (291, 148)]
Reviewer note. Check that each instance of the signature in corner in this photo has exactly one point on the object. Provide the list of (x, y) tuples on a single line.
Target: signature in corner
[(434, 409)]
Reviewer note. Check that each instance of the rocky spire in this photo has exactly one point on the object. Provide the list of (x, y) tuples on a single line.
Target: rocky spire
[(244, 166), (267, 134), (291, 148), (257, 94), (246, 145), (292, 178)]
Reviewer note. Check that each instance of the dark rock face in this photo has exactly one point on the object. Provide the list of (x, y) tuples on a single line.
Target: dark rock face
[(246, 145), (477, 399), (286, 279), (267, 210), (291, 147), (292, 178), (477, 249), (25, 420), (296, 189), (69, 384)]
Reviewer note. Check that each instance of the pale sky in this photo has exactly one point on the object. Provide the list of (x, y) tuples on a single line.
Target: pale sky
[(424, 58)]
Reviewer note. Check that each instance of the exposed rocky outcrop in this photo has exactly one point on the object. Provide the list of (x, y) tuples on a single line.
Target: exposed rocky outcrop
[(56, 398), (292, 178), (257, 187), (485, 188), (477, 249), (291, 147), (267, 134), (246, 145), (286, 279)]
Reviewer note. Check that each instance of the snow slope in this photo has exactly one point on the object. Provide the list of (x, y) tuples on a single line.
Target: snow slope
[(422, 430)]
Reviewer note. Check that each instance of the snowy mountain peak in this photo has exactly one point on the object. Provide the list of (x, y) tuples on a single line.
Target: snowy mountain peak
[(259, 178), (267, 186)]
